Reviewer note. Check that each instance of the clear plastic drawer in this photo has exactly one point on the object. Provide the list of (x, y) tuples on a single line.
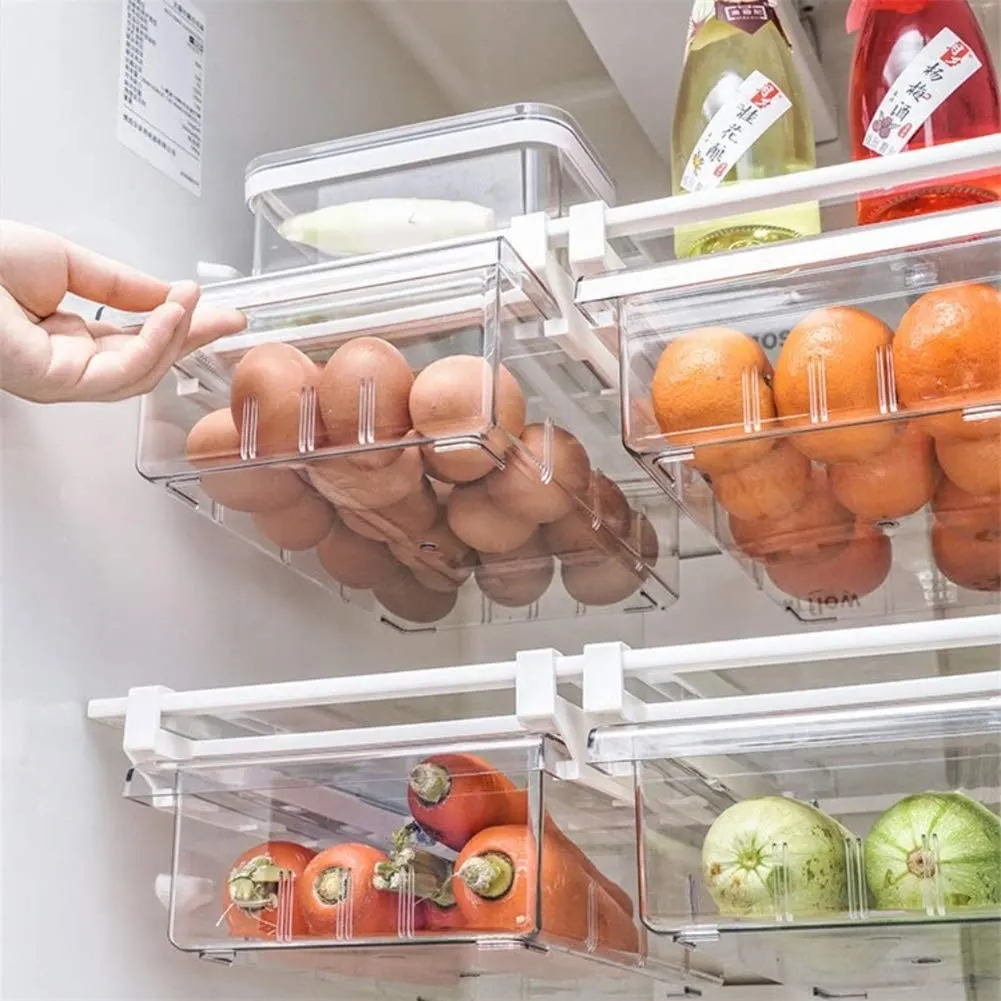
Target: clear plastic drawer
[(421, 865), (830, 410), (409, 431), (850, 836)]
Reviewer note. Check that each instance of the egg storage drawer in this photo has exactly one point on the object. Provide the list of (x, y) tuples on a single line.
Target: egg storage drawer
[(830, 411), (342, 861), (405, 431), (781, 832), (410, 186)]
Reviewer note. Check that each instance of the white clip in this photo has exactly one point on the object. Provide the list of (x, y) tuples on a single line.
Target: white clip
[(540, 708), (605, 699), (142, 723), (535, 696), (529, 236), (588, 248)]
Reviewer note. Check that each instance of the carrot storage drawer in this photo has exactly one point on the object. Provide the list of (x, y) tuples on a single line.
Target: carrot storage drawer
[(830, 410), (410, 186), (411, 864), (405, 430), (847, 838)]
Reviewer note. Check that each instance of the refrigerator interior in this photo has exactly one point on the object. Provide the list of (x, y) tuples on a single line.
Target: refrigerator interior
[(111, 584)]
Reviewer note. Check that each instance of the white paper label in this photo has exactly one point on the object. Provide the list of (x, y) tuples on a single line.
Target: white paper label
[(160, 87), (733, 130), (932, 75)]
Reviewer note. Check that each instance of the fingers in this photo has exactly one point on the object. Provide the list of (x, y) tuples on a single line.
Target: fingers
[(102, 280), (210, 324), (140, 362)]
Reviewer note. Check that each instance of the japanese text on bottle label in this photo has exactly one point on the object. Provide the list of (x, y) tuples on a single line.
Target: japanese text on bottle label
[(160, 87), (943, 65), (756, 106)]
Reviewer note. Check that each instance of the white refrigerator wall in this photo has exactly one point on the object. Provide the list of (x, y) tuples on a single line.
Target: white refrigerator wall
[(108, 582)]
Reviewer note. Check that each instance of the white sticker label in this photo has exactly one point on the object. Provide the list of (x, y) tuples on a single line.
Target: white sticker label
[(160, 87), (733, 130), (944, 64)]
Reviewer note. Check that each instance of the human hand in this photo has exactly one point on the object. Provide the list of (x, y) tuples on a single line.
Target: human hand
[(50, 356)]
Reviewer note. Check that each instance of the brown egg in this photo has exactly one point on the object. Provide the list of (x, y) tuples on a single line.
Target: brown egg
[(440, 577), (298, 527), (441, 490), (537, 485), (355, 561), (346, 485), (458, 465), (602, 582), (574, 537), (437, 546), (213, 441), (416, 513), (364, 393), (405, 596), (480, 523), (643, 538), (518, 577), (277, 378), (457, 396)]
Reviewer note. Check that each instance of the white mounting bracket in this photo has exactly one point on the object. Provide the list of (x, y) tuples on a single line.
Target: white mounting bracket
[(529, 236), (605, 699), (541, 709), (145, 741), (588, 248)]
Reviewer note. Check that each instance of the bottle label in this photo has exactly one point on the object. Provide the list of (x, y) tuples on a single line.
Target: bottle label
[(942, 66), (756, 106), (749, 17)]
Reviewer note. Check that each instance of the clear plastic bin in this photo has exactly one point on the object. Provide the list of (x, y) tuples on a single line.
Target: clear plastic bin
[(830, 410), (844, 837), (406, 431), (411, 186), (414, 864)]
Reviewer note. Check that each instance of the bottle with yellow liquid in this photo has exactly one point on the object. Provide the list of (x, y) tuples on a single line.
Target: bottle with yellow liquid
[(741, 114)]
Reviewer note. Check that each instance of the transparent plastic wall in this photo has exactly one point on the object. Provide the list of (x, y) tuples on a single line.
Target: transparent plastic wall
[(831, 411), (854, 844), (406, 187), (416, 864), (404, 430)]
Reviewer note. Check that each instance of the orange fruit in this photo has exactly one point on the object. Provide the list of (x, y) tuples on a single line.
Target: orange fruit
[(967, 560), (713, 382), (834, 362), (948, 350), (892, 484), (769, 488), (838, 577), (975, 466), (970, 514), (817, 524)]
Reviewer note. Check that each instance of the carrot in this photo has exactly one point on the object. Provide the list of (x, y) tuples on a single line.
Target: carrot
[(441, 918), (455, 796), (338, 899), (260, 897), (495, 888)]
